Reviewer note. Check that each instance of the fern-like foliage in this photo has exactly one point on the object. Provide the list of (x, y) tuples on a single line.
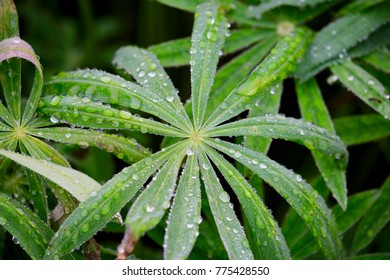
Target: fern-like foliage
[(198, 153)]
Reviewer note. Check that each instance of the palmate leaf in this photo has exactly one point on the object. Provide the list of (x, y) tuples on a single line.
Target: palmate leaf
[(354, 130), (207, 40), (270, 243), (374, 220), (96, 115), (183, 222), (340, 35), (229, 227), (313, 109), (94, 213), (365, 86), (29, 230), (278, 126), (110, 89), (77, 183), (300, 195), (123, 148), (275, 67), (149, 208)]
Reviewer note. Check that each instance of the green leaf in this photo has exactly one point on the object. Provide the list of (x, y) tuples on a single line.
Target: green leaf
[(177, 52), (42, 151), (91, 215), (270, 243), (77, 183), (124, 148), (6, 117), (358, 204), (33, 100), (300, 195), (30, 231), (365, 86), (148, 72), (278, 126), (354, 130), (336, 38), (257, 11), (150, 206), (242, 38), (268, 104), (7, 144), (173, 53), (374, 220), (9, 23), (38, 195), (229, 227), (379, 59), (94, 115), (184, 218), (111, 89), (235, 71), (208, 37), (275, 67), (313, 109)]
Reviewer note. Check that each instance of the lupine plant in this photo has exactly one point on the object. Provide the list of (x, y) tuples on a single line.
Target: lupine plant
[(201, 195)]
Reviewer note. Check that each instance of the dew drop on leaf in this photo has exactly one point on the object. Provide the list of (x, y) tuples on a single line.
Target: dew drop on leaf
[(53, 119), (170, 98), (224, 196), (56, 100), (205, 166), (262, 166), (135, 177), (3, 221), (105, 79), (189, 152)]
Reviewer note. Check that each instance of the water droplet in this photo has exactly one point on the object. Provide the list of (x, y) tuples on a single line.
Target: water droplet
[(106, 209), (15, 240), (298, 178), (53, 119), (108, 113), (351, 78), (125, 115), (262, 166), (247, 194), (135, 177), (17, 40), (68, 135), (190, 225), (205, 166), (105, 79), (3, 221), (371, 82), (141, 74), (224, 196), (56, 100), (170, 98), (85, 228), (83, 144), (323, 231), (149, 208), (254, 161), (245, 243), (152, 74), (189, 152), (302, 132), (237, 154)]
